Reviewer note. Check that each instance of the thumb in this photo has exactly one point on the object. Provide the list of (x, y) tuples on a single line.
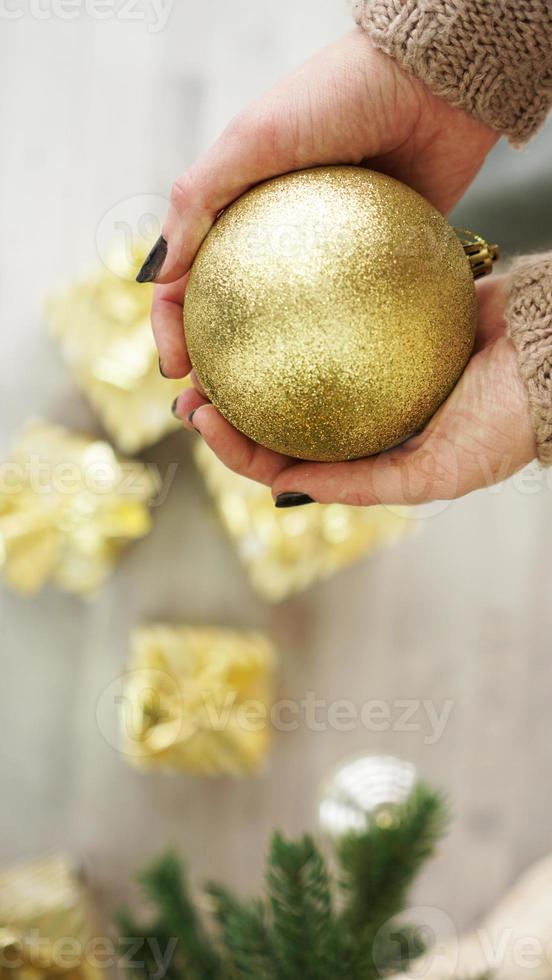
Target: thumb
[(422, 469)]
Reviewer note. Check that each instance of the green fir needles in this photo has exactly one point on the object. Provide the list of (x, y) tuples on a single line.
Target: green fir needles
[(312, 925)]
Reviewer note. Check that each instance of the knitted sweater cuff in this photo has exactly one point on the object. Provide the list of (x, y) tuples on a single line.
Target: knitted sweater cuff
[(529, 320), (491, 57)]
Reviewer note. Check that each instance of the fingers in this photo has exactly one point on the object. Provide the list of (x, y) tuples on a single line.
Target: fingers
[(168, 328), (479, 437), (244, 155), (417, 472), (317, 115), (240, 158), (186, 405), (492, 297), (256, 145), (194, 380), (235, 450)]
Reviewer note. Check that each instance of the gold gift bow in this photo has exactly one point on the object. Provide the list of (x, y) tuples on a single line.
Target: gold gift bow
[(72, 538), (183, 695), (167, 724), (47, 921), (102, 327), (285, 551)]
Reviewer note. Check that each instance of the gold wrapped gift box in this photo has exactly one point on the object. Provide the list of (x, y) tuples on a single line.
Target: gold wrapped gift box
[(197, 699), (102, 326), (68, 505), (48, 925), (284, 551)]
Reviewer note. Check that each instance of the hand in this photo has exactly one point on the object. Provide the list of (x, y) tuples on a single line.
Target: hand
[(349, 104), (353, 104), (481, 435)]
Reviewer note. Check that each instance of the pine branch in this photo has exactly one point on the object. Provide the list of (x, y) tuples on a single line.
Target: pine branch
[(378, 867), (298, 934), (380, 864), (246, 935), (304, 927), (165, 885)]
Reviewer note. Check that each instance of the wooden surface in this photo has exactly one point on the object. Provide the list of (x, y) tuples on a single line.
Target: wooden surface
[(93, 112)]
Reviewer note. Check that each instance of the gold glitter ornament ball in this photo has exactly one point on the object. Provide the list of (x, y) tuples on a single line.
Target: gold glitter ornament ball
[(329, 313)]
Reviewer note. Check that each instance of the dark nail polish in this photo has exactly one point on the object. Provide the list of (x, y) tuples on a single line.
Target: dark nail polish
[(293, 499), (161, 371), (173, 408), (154, 262), (191, 416)]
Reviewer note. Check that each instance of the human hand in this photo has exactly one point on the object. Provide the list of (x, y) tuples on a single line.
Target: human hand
[(481, 435), (350, 104)]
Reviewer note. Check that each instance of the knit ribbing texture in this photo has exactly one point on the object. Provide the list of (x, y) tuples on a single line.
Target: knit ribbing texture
[(529, 319), (490, 57)]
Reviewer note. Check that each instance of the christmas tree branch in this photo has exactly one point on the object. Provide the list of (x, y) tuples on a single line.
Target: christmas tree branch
[(245, 935), (379, 866), (304, 926), (165, 885), (296, 934)]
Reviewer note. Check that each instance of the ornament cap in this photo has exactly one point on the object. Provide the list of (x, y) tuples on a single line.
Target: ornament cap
[(480, 253)]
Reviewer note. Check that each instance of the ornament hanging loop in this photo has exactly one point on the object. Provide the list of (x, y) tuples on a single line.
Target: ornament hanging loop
[(481, 254)]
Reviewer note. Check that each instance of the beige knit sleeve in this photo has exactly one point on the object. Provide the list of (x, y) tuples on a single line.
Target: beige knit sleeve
[(491, 57), (529, 319)]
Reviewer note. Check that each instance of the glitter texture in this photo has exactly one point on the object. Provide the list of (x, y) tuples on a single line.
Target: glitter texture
[(330, 312)]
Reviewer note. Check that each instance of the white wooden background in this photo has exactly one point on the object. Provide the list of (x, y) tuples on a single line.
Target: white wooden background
[(94, 111)]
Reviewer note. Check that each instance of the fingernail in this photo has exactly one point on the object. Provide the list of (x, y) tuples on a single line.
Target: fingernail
[(161, 371), (154, 262), (173, 408), (191, 416), (293, 499)]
